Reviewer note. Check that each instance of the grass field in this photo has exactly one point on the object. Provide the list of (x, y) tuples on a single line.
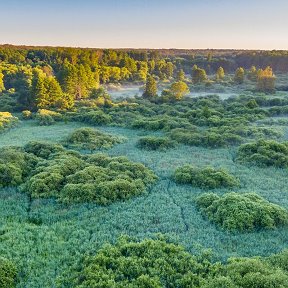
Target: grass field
[(44, 237)]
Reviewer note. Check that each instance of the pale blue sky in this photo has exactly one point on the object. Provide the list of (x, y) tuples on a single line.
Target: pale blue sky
[(247, 24)]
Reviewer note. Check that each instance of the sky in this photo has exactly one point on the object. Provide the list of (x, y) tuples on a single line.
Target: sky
[(189, 24)]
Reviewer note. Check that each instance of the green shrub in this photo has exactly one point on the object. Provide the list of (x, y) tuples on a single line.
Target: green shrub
[(91, 139), (98, 178), (97, 117), (7, 121), (47, 117), (242, 212), (150, 263), (264, 153), (155, 143), (209, 139), (43, 149), (7, 273), (26, 114), (207, 177), (157, 263), (15, 166)]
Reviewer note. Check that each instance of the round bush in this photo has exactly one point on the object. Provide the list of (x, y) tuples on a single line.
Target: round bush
[(241, 212), (264, 153), (91, 139), (155, 143), (207, 177)]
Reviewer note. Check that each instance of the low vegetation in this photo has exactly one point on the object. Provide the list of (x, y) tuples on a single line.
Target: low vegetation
[(241, 212), (91, 139), (158, 263), (8, 273), (155, 143), (264, 153), (71, 178), (206, 177)]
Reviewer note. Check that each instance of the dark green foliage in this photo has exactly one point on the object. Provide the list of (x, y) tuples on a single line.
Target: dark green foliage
[(91, 139), (7, 274), (43, 149), (158, 264), (241, 212), (15, 166), (155, 143), (73, 178), (207, 177), (93, 117), (205, 139), (264, 153), (47, 117), (150, 263)]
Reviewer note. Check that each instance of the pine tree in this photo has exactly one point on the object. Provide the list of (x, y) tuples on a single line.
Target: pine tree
[(39, 96), (150, 87)]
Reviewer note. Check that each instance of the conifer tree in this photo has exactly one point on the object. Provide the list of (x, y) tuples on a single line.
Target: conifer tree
[(150, 87), (239, 75)]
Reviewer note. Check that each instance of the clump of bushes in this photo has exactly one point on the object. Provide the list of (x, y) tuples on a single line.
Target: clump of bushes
[(207, 177), (15, 166), (8, 273), (158, 263), (43, 149), (264, 153), (150, 263), (95, 117), (47, 117), (155, 143), (208, 139), (7, 120), (241, 212), (91, 139), (72, 178)]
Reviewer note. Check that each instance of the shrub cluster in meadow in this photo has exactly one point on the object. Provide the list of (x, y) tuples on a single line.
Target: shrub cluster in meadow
[(91, 139), (8, 273), (157, 263), (48, 170), (7, 120), (264, 153), (206, 177), (241, 212), (46, 117), (155, 143)]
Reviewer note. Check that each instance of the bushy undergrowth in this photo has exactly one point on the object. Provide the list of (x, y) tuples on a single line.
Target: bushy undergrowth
[(91, 139), (7, 273), (94, 117), (15, 165), (7, 120), (264, 153), (241, 212), (205, 139), (207, 177), (155, 143), (47, 117), (71, 178), (157, 263)]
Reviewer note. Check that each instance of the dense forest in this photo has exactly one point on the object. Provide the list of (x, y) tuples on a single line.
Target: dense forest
[(182, 184)]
